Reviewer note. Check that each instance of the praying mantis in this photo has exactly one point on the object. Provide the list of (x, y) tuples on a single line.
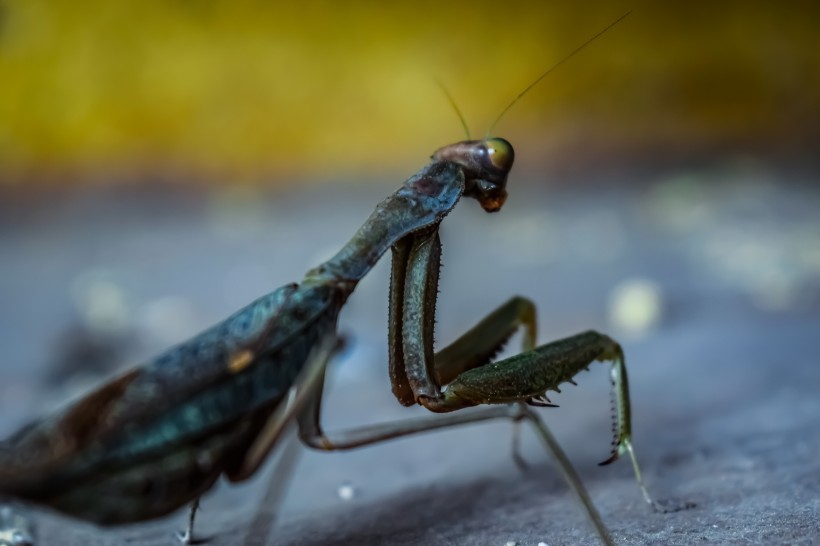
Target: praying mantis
[(159, 436)]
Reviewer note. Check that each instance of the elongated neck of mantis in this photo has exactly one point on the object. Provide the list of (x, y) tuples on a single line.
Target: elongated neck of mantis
[(423, 200)]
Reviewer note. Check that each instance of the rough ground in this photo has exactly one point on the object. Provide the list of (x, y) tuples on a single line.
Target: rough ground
[(724, 381)]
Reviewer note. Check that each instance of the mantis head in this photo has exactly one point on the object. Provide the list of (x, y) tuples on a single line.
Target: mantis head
[(486, 164)]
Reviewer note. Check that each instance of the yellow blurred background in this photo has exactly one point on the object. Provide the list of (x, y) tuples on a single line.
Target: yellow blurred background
[(251, 91)]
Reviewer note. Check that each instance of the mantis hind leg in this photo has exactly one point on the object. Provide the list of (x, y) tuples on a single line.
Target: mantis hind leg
[(312, 435)]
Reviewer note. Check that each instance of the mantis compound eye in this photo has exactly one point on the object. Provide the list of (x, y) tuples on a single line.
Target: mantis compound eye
[(500, 153)]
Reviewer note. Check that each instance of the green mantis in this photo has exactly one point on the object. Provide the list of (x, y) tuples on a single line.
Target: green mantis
[(160, 435)]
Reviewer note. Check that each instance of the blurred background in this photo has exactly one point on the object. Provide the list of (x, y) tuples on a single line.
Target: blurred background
[(163, 163), (259, 92)]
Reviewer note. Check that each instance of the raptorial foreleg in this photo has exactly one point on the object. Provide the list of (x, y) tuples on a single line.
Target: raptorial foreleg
[(528, 376)]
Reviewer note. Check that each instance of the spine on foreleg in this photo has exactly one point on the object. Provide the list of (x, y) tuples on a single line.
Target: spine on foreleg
[(530, 374)]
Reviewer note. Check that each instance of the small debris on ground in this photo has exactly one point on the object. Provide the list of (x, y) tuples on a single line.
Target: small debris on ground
[(346, 491)]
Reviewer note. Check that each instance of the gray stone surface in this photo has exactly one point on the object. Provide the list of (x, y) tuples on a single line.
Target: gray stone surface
[(724, 383)]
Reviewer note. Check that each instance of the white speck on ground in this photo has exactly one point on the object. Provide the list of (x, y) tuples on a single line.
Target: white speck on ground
[(346, 491)]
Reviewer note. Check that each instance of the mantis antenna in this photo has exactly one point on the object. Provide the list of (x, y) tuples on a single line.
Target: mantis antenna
[(455, 107), (551, 69)]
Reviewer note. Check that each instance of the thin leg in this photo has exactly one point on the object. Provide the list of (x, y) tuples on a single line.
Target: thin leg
[(517, 457), (571, 477), (305, 387), (622, 441), (315, 438), (308, 382), (259, 528), (310, 432), (188, 536), (664, 506)]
